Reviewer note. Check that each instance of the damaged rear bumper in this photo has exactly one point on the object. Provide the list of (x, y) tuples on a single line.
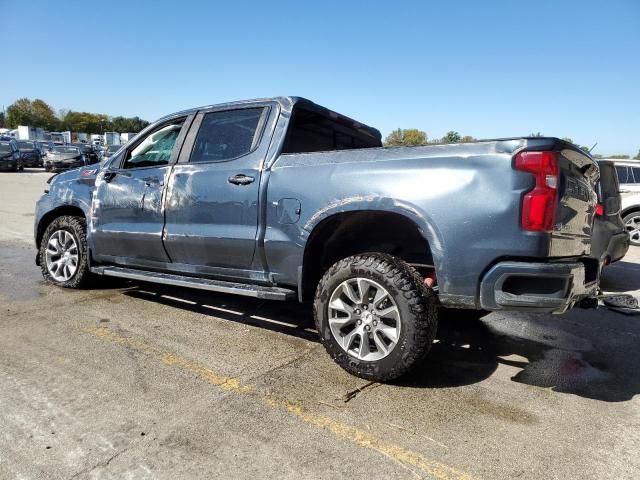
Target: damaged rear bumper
[(538, 287)]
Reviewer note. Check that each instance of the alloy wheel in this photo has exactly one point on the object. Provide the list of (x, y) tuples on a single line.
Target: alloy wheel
[(633, 228), (364, 319), (62, 255)]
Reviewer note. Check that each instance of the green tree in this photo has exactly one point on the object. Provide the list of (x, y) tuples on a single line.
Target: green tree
[(467, 139), (637, 157), (19, 113), (3, 120), (43, 116), (620, 157), (451, 137), (567, 139), (538, 134), (410, 136)]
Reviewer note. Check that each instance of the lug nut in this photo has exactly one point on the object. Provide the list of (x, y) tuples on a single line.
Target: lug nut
[(375, 323), (367, 328), (365, 306), (359, 322), (357, 311)]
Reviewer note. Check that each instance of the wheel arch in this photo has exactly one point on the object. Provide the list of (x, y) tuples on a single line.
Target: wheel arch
[(352, 232), (47, 218), (631, 209)]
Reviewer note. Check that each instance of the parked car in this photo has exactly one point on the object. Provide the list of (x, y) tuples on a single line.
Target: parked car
[(44, 146), (89, 152), (30, 153), (64, 157), (282, 198), (629, 177), (10, 158), (610, 240), (110, 150)]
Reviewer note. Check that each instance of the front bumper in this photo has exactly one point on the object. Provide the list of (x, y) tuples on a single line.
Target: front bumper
[(8, 165), (538, 287)]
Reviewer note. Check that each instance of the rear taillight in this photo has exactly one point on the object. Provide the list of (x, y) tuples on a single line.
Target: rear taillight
[(539, 204), (599, 210)]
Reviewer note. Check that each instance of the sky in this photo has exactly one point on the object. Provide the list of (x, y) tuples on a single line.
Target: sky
[(492, 68)]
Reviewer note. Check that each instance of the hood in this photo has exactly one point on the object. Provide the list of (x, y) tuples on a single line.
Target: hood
[(81, 174)]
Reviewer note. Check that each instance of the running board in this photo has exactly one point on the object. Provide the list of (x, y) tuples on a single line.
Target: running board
[(247, 290)]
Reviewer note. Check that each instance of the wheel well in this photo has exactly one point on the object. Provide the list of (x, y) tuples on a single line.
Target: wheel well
[(350, 233), (52, 215), (629, 210)]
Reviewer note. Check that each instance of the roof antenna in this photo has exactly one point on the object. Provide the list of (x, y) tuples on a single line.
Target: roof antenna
[(591, 149)]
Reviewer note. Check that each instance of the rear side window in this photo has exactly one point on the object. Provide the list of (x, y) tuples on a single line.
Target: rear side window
[(312, 131), (627, 174), (226, 135)]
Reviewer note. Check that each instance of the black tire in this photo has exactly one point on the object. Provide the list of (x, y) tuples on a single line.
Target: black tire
[(417, 306), (76, 226), (464, 315), (627, 218)]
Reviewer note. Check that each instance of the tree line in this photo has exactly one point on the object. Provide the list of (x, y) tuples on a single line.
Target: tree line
[(39, 114), (413, 137)]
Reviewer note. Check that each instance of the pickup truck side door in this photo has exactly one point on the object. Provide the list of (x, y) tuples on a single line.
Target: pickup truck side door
[(127, 208), (212, 205)]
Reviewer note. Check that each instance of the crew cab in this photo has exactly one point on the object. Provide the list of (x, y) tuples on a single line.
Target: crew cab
[(282, 198)]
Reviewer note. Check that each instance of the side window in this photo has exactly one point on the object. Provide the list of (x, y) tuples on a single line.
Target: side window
[(311, 131), (155, 149), (636, 174), (226, 135), (623, 174)]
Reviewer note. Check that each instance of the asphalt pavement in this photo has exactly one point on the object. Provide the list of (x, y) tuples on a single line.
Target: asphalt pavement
[(134, 380)]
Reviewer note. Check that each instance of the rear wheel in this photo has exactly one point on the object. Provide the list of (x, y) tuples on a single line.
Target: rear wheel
[(632, 225), (374, 316), (63, 252)]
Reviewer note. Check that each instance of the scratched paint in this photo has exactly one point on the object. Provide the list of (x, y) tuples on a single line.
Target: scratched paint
[(403, 456)]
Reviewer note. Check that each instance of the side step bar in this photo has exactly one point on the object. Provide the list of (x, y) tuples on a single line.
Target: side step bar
[(256, 291)]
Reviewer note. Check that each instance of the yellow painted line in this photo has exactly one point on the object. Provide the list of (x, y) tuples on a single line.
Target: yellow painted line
[(405, 457)]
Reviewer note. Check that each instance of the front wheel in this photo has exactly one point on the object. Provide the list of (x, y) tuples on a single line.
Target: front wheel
[(374, 316), (632, 226), (63, 252)]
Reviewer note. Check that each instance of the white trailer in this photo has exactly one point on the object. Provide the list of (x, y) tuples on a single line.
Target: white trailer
[(125, 137), (61, 137), (111, 138)]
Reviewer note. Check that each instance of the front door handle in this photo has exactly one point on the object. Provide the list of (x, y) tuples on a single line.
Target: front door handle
[(241, 179), (109, 175)]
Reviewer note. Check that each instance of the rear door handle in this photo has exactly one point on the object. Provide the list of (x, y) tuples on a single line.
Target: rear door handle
[(241, 179)]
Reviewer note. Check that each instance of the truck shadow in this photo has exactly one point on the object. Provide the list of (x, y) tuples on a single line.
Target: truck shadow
[(621, 277), (590, 353)]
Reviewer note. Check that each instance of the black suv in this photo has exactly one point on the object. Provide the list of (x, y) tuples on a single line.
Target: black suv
[(10, 156), (30, 153)]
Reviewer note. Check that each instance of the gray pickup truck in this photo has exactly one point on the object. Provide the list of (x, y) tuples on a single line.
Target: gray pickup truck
[(281, 198)]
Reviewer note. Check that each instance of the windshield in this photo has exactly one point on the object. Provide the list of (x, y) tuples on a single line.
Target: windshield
[(5, 148), (66, 149), (22, 145)]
